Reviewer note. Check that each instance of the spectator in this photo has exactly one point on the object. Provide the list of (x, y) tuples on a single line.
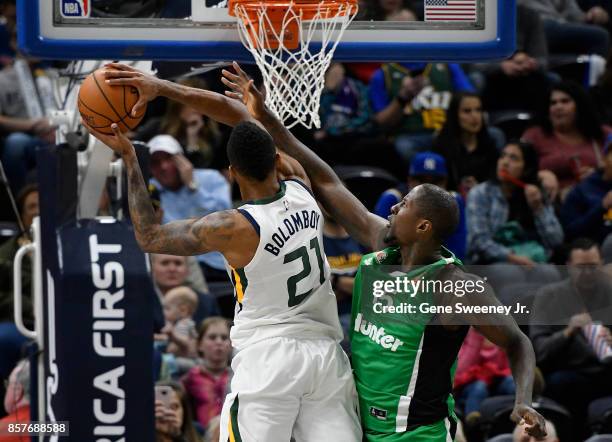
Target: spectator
[(174, 423), (208, 382), (188, 193), (170, 272), (23, 133), (574, 374), (466, 144), (345, 117), (519, 82), (11, 340), (16, 400), (344, 255), (510, 221), (427, 167), (520, 435), (483, 370), (569, 139), (410, 100), (569, 29), (199, 135), (587, 210), (180, 304)]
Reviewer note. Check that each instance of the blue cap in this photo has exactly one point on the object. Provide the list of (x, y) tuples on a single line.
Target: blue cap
[(608, 144), (428, 163)]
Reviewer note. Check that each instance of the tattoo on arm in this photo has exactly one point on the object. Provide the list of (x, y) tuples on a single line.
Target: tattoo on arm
[(186, 237)]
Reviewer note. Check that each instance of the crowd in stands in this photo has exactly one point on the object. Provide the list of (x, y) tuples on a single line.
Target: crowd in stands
[(524, 145)]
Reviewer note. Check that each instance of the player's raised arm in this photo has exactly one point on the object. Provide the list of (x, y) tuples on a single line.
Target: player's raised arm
[(214, 105), (214, 232), (502, 330), (345, 208)]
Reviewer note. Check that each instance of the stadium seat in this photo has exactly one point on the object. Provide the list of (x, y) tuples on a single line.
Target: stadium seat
[(600, 415), (367, 182), (512, 122), (496, 413), (600, 438), (507, 437)]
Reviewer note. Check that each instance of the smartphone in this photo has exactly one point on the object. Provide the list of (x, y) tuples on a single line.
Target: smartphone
[(163, 394)]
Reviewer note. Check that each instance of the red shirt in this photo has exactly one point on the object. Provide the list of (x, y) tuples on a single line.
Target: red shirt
[(557, 156), (20, 416), (208, 392), (480, 360)]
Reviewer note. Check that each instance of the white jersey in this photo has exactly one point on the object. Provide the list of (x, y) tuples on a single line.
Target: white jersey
[(285, 291)]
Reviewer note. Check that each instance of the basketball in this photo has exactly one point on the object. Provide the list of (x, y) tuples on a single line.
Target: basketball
[(101, 105)]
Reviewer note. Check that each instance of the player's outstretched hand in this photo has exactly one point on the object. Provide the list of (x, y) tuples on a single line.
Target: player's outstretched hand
[(535, 423), (148, 86), (117, 142), (242, 88)]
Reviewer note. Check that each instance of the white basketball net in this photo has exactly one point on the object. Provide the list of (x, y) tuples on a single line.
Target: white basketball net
[(294, 79)]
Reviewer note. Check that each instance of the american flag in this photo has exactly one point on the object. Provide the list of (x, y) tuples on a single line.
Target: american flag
[(450, 10)]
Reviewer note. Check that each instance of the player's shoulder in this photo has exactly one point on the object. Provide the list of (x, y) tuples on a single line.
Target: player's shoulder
[(388, 256)]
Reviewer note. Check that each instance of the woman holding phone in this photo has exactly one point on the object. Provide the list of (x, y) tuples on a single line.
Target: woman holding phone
[(173, 417)]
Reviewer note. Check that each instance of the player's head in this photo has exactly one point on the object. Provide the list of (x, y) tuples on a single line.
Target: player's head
[(427, 214), (251, 154), (180, 303)]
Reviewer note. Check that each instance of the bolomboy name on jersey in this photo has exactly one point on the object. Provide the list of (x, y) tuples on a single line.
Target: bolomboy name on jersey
[(376, 334), (290, 226)]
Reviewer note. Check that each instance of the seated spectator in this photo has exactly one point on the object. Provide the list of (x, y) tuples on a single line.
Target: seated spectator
[(587, 210), (173, 422), (520, 82), (409, 101), (344, 255), (520, 435), (345, 116), (16, 401), (180, 304), (189, 193), (570, 138), (198, 135), (208, 382), (483, 370), (575, 374), (510, 221), (170, 272), (23, 134), (569, 30), (466, 144), (427, 167), (11, 340)]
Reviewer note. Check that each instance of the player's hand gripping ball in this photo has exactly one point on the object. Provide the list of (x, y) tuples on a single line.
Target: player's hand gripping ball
[(101, 104)]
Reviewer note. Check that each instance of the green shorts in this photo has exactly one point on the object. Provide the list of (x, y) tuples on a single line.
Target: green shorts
[(442, 431)]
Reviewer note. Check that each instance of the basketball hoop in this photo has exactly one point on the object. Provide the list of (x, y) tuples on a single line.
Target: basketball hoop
[(279, 35)]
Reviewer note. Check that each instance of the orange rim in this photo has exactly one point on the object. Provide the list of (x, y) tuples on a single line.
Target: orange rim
[(276, 12), (307, 9)]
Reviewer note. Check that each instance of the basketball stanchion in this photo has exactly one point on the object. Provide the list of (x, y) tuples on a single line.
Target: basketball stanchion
[(97, 316)]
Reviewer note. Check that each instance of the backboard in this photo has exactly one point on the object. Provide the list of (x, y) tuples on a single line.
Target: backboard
[(200, 30)]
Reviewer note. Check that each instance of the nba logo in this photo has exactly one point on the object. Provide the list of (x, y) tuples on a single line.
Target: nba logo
[(75, 8)]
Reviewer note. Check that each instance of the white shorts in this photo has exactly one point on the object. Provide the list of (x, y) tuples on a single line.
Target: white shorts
[(287, 388)]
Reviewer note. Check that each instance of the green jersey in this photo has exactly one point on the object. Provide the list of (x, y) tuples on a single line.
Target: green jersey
[(404, 361)]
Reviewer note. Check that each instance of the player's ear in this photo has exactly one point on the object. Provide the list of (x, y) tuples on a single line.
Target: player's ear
[(232, 176), (424, 226)]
